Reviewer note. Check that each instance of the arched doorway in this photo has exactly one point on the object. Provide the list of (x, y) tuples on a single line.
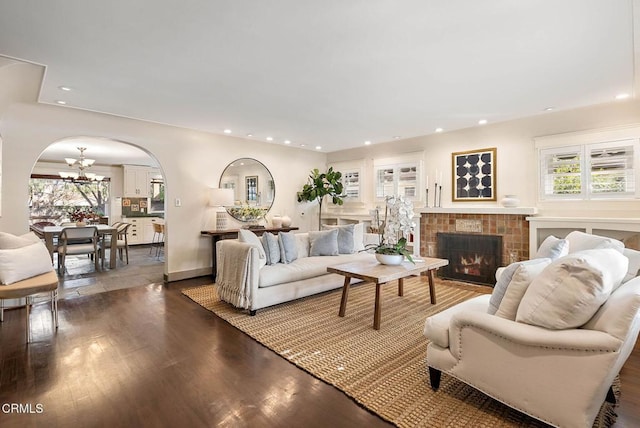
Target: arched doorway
[(91, 176)]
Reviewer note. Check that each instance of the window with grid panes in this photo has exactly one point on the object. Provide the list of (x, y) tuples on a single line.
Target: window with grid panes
[(591, 171)]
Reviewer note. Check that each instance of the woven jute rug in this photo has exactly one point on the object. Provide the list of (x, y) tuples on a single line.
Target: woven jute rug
[(384, 371)]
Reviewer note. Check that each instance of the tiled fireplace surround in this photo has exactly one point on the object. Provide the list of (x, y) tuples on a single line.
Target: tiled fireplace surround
[(514, 229)]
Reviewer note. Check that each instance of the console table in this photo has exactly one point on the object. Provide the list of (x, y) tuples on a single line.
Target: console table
[(217, 235)]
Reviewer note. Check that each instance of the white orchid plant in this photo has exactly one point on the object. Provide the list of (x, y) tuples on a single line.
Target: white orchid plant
[(398, 226)]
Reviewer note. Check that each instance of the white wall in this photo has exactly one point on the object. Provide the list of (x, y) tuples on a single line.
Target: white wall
[(516, 156), (191, 162)]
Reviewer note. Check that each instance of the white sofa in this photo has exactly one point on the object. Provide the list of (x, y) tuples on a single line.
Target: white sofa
[(558, 375), (244, 281)]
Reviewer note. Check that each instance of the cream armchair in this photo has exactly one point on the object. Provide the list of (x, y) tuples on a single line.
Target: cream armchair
[(560, 377)]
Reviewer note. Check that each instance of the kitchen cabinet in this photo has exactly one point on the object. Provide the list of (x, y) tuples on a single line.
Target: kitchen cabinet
[(137, 182), (141, 229)]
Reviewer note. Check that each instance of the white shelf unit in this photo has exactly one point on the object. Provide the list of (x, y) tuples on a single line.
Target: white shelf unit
[(618, 228)]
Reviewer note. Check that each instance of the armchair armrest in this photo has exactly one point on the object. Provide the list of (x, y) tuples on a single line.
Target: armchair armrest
[(520, 334)]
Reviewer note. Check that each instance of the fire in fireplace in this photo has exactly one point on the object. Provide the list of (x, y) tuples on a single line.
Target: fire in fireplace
[(472, 258)]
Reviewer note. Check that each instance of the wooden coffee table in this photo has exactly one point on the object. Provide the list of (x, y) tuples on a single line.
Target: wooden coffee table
[(379, 274)]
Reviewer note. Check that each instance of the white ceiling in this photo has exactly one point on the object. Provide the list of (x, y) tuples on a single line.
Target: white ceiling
[(103, 151), (332, 73)]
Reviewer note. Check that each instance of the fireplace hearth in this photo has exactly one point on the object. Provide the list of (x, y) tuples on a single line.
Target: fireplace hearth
[(472, 257)]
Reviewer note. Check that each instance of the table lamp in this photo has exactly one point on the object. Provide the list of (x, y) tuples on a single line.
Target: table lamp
[(221, 198)]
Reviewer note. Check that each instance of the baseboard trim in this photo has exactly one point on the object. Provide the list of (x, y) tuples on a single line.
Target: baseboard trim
[(186, 274)]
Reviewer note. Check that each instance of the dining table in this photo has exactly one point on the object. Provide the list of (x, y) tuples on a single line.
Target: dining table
[(50, 233)]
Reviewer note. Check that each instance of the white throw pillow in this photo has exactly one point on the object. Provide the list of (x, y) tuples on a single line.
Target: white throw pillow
[(25, 262), (503, 282), (571, 289), (553, 248), (9, 241), (248, 237), (580, 241), (522, 277)]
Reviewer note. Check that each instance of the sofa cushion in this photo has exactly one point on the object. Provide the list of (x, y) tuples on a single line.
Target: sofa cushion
[(304, 268), (271, 248), (25, 262), (571, 289), (248, 237), (302, 241), (518, 286), (345, 237), (580, 241), (323, 243), (503, 281), (358, 235), (9, 241), (553, 248), (288, 247)]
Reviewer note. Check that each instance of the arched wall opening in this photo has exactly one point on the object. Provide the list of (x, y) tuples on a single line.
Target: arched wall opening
[(111, 159)]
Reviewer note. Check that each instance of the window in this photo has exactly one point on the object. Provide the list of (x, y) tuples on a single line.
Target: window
[(397, 180), (351, 182), (589, 171), (51, 198)]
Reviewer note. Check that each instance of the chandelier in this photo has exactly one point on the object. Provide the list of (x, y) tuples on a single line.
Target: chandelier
[(82, 164)]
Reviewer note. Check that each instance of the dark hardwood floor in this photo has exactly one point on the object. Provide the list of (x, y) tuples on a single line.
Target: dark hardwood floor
[(146, 356)]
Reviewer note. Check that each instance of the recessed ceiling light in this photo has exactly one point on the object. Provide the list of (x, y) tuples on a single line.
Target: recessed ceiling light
[(287, 142), (64, 88), (269, 138), (548, 109), (227, 131), (301, 145), (249, 135), (318, 147), (367, 143), (439, 129), (622, 96), (396, 137), (482, 122), (61, 102)]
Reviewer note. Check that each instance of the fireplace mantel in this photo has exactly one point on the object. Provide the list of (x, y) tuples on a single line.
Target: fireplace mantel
[(478, 210)]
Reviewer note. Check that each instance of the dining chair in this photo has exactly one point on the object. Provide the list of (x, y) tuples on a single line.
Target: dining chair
[(122, 240), (78, 240)]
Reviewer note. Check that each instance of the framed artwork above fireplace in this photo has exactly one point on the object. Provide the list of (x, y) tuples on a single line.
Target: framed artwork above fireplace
[(474, 175)]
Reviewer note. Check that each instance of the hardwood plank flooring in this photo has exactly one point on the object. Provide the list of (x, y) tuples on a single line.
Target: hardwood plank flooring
[(146, 356)]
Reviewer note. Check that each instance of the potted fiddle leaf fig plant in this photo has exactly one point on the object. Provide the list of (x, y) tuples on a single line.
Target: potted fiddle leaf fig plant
[(320, 185), (398, 225)]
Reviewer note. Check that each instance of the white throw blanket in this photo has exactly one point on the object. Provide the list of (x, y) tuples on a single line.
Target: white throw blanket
[(234, 275)]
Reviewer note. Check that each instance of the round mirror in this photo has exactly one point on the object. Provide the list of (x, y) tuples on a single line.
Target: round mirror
[(253, 189)]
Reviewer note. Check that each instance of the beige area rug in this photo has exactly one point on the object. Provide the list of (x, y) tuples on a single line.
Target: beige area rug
[(384, 371)]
